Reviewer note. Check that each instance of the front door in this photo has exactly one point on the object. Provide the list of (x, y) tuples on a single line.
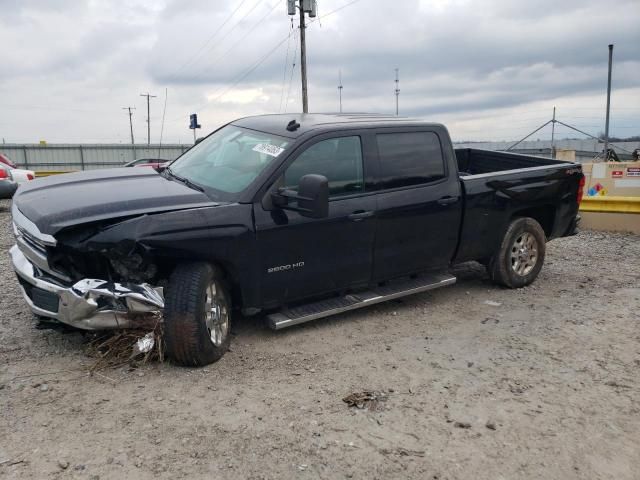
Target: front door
[(302, 257)]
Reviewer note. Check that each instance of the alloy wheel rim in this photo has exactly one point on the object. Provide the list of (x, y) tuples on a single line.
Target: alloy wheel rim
[(216, 315), (524, 254)]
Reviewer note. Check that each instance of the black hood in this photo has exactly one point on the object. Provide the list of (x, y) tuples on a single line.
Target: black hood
[(61, 201)]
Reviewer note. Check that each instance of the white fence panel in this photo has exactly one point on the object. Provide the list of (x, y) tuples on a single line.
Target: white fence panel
[(85, 157)]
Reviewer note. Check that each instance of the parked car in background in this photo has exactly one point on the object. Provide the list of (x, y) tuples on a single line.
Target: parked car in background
[(21, 176), (7, 185), (18, 175), (5, 160), (147, 162)]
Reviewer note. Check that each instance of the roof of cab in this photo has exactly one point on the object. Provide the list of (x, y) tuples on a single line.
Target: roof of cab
[(277, 123)]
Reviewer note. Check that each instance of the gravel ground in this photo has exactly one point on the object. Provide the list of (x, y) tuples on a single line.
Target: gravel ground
[(543, 383)]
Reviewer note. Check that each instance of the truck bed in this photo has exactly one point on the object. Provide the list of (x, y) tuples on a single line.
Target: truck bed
[(498, 186), (477, 162)]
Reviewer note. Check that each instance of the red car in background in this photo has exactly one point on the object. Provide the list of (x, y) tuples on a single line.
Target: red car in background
[(4, 159)]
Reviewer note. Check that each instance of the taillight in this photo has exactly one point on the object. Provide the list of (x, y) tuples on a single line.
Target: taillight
[(29, 176), (3, 173), (580, 190)]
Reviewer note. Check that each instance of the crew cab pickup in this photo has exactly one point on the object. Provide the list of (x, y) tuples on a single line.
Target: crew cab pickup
[(294, 217)]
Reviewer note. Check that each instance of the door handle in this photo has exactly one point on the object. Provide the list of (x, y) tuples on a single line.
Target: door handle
[(360, 215), (447, 200)]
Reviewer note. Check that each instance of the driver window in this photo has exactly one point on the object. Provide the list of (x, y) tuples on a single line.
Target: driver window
[(338, 159)]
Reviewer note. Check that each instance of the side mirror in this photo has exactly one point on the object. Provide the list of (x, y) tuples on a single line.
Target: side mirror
[(311, 199)]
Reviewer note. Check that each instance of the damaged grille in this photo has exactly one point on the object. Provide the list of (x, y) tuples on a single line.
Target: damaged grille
[(37, 252)]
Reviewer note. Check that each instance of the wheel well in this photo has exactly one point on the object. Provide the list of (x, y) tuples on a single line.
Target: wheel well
[(545, 215), (167, 265)]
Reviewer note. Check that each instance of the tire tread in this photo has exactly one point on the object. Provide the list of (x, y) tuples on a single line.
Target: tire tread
[(184, 331), (498, 269)]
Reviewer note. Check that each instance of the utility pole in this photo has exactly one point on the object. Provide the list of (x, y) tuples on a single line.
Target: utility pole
[(310, 7), (130, 121), (606, 126), (340, 88), (397, 90), (553, 134), (303, 63), (149, 96)]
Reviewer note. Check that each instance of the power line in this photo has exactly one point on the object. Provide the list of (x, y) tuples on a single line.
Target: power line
[(206, 43), (241, 39), (164, 111), (320, 17), (284, 70), (242, 76), (248, 72), (293, 67), (231, 30), (250, 11)]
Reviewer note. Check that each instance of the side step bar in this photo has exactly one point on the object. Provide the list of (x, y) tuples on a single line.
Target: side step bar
[(288, 317)]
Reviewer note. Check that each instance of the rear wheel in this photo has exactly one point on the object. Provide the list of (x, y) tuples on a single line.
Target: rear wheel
[(521, 255), (197, 315)]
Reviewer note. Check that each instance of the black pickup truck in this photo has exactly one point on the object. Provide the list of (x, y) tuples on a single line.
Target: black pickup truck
[(296, 217)]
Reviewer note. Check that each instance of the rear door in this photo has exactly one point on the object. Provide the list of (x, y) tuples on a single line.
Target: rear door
[(302, 257), (419, 205)]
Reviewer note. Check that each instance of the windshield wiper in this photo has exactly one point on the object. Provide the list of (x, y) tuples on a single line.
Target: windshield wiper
[(186, 181)]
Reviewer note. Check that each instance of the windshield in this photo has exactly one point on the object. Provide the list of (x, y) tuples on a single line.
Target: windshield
[(228, 160)]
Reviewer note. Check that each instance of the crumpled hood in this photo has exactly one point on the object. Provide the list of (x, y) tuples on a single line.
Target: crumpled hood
[(61, 201)]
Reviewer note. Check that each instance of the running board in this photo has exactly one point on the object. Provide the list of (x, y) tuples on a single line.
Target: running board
[(288, 317)]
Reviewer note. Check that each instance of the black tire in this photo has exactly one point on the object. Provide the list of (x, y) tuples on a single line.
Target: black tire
[(188, 336), (512, 272)]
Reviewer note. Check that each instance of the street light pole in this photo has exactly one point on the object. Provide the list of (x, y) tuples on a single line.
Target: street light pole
[(606, 126)]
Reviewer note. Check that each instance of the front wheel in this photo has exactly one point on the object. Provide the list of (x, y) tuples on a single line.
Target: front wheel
[(521, 255), (197, 315)]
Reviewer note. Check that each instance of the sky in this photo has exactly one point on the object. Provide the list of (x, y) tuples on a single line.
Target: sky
[(487, 69)]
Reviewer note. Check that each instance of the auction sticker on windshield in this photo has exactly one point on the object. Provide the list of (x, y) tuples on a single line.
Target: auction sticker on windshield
[(269, 149)]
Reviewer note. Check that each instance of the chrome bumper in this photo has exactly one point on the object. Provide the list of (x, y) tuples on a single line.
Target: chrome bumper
[(88, 304)]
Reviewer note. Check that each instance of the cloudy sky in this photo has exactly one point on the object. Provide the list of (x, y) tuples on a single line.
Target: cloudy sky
[(488, 69)]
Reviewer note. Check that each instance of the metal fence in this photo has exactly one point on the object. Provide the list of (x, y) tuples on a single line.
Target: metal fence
[(67, 157), (585, 150)]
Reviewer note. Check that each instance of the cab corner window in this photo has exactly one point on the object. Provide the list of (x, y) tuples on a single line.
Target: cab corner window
[(410, 158), (338, 159)]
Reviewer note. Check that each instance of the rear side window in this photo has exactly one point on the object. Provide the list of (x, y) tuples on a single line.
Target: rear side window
[(410, 158)]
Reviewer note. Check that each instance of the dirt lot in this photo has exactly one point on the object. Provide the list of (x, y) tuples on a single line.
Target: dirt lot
[(544, 383)]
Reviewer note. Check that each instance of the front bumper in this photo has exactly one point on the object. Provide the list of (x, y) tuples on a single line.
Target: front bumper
[(88, 304)]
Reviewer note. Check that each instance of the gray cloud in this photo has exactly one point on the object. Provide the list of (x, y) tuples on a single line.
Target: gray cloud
[(457, 58)]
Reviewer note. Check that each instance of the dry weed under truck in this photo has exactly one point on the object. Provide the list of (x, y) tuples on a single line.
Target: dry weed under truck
[(296, 217)]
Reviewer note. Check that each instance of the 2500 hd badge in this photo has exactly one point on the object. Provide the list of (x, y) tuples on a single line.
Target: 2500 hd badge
[(283, 268)]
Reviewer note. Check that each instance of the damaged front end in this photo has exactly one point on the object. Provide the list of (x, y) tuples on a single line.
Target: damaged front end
[(87, 303)]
